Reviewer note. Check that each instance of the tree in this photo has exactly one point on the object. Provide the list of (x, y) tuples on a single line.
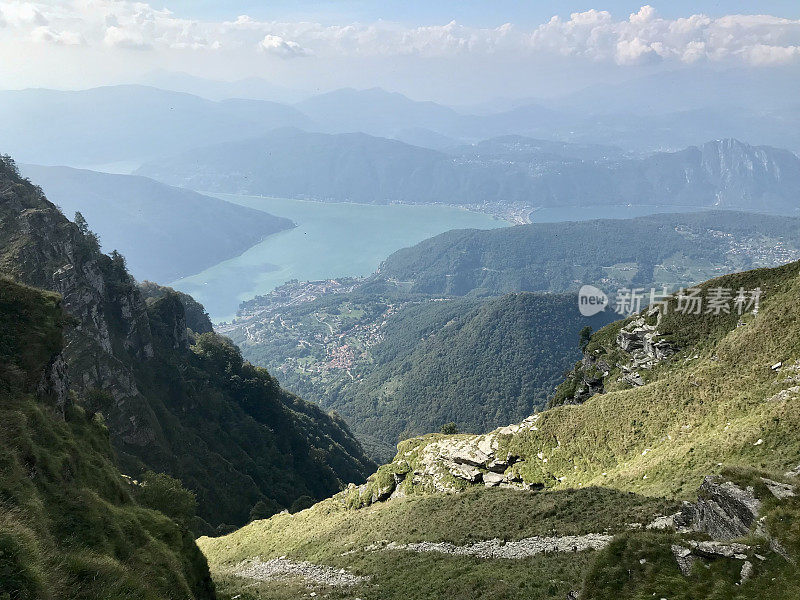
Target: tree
[(119, 262), (80, 221), (583, 338), (166, 494), (450, 428), (264, 509), (83, 227), (302, 503)]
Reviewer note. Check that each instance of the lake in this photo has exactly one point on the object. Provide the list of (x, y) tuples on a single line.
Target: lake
[(330, 240)]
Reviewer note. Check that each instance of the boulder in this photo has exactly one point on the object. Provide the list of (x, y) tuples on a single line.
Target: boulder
[(723, 510), (780, 490)]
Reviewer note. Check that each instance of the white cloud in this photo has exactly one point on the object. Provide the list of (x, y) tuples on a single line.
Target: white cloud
[(593, 35), (646, 37), (45, 34), (275, 44), (21, 14), (120, 37)]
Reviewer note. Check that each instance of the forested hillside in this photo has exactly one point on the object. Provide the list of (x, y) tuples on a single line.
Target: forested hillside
[(398, 354), (174, 402), (668, 249), (396, 365)]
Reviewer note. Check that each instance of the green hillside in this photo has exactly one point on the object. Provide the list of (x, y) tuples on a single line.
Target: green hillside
[(723, 402), (70, 524), (174, 401), (396, 365), (668, 249), (398, 355)]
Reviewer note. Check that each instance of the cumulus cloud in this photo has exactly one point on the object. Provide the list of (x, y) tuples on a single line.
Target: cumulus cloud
[(275, 44), (120, 37), (643, 37), (646, 37), (21, 14), (45, 34)]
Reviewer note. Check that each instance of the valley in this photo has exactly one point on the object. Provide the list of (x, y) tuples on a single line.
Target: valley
[(682, 486), (436, 335), (399, 301)]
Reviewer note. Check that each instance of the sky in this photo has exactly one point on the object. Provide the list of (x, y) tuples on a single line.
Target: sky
[(454, 51), (478, 13)]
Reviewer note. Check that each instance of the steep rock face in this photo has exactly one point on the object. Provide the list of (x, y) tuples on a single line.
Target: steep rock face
[(70, 525), (43, 249), (748, 176), (636, 347), (202, 415)]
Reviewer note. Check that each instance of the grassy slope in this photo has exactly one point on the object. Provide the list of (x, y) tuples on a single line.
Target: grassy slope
[(695, 413), (326, 531), (69, 527), (659, 440)]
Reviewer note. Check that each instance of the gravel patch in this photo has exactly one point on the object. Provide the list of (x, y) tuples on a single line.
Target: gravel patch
[(278, 568), (509, 550)]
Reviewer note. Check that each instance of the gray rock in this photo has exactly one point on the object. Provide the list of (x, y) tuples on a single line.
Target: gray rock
[(714, 549), (780, 490), (281, 568), (746, 573), (511, 550), (723, 510), (683, 556), (493, 479)]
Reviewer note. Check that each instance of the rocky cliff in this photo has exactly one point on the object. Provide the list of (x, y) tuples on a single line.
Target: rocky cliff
[(71, 525), (200, 414)]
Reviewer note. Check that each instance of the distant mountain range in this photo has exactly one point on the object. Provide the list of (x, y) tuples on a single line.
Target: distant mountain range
[(127, 123), (134, 123), (164, 232), (377, 112), (502, 172)]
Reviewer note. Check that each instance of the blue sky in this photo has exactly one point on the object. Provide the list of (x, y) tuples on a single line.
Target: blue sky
[(470, 12)]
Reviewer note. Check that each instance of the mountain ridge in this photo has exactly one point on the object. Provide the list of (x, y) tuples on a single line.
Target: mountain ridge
[(366, 169), (153, 225)]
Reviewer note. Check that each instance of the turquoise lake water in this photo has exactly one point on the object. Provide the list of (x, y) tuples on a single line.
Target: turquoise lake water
[(330, 240), (343, 239)]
